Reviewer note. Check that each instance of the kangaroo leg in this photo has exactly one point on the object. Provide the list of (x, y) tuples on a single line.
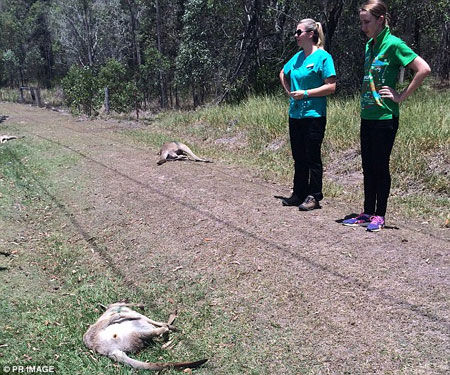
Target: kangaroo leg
[(174, 155), (186, 150), (133, 315), (153, 332)]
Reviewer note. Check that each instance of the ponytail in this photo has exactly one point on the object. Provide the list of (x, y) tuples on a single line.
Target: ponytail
[(316, 27), (320, 36)]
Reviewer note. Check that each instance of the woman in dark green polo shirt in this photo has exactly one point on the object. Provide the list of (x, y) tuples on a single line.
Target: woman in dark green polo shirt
[(384, 56)]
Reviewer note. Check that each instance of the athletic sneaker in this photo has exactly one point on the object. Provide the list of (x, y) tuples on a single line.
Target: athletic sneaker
[(376, 223), (361, 220)]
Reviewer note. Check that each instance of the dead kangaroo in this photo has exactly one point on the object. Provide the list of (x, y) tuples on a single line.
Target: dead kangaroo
[(6, 138), (177, 151), (122, 330)]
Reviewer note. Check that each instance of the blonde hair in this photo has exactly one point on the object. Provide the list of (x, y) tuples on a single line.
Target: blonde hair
[(376, 8), (316, 27)]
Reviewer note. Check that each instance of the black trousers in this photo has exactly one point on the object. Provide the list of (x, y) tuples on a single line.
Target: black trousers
[(377, 140), (306, 141)]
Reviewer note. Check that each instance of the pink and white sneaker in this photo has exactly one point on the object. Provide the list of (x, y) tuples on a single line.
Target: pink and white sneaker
[(376, 223)]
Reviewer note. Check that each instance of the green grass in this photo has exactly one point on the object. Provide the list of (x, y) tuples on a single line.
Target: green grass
[(48, 290), (51, 282), (49, 97), (254, 134)]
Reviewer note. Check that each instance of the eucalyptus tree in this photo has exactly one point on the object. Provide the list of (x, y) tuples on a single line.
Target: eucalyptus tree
[(204, 49), (90, 31), (15, 38), (159, 41), (39, 60), (10, 67), (425, 25), (133, 9), (194, 62)]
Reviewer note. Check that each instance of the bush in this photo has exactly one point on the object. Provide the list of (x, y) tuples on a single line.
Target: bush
[(114, 75), (81, 90)]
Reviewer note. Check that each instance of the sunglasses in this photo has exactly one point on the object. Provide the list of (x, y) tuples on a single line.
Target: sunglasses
[(299, 32)]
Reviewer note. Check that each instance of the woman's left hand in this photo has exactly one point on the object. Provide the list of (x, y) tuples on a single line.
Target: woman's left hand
[(390, 93)]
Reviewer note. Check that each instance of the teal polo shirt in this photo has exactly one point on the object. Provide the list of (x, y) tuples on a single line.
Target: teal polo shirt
[(383, 60), (305, 73)]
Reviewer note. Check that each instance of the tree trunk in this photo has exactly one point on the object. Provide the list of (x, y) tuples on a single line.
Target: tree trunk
[(162, 83), (443, 61), (248, 58), (87, 21), (107, 100), (134, 27), (417, 34), (332, 10)]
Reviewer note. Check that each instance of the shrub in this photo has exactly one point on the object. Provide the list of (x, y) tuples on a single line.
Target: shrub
[(114, 75), (81, 90)]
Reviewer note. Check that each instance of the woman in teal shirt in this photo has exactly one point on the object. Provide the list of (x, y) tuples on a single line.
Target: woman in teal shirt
[(384, 56), (308, 77)]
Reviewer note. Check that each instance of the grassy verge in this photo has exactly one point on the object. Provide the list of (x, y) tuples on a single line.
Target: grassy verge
[(254, 134), (49, 97), (52, 278)]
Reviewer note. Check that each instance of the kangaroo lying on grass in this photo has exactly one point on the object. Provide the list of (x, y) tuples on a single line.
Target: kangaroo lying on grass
[(6, 138), (122, 330), (177, 151)]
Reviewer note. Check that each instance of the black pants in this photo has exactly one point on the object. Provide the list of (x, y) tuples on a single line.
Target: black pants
[(306, 140), (377, 139)]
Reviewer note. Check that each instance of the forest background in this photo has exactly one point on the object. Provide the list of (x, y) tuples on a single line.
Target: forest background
[(184, 53)]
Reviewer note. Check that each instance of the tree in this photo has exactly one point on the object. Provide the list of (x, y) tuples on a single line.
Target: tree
[(11, 66), (90, 31), (200, 50), (194, 61), (75, 26)]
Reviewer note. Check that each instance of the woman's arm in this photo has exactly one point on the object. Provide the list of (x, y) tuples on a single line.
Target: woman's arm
[(285, 82), (421, 69), (329, 87)]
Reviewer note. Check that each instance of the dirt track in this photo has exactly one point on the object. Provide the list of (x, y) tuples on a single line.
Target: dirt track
[(312, 290)]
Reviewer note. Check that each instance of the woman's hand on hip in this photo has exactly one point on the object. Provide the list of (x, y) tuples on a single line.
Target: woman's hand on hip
[(389, 93)]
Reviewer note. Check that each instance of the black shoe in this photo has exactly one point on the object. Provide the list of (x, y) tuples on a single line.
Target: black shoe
[(293, 200), (309, 204)]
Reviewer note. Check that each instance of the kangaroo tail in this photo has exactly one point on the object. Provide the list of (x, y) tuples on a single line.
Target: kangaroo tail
[(204, 160), (120, 356)]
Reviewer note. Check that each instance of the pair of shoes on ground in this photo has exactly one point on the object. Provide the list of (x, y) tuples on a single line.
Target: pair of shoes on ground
[(373, 223), (310, 203)]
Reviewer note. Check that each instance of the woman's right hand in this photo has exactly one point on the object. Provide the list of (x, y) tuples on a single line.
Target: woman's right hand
[(297, 95)]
